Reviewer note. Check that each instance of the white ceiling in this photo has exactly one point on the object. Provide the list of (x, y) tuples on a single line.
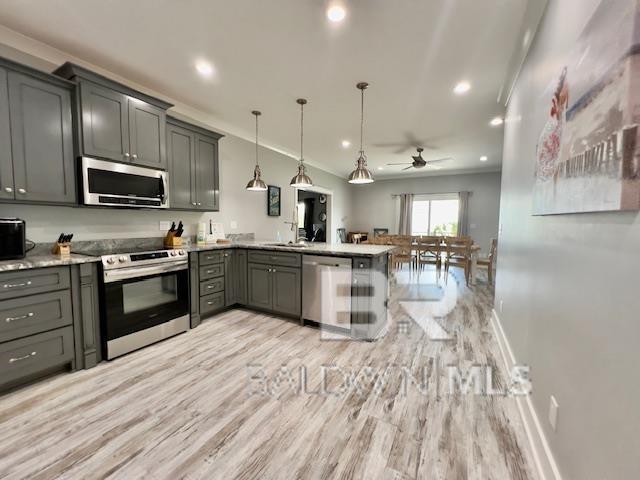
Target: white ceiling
[(268, 53)]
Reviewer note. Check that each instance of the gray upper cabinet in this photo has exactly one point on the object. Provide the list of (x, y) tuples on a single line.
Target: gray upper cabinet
[(105, 122), (147, 134), (207, 182), (41, 140), (37, 161), (181, 155), (119, 123), (6, 160), (193, 166)]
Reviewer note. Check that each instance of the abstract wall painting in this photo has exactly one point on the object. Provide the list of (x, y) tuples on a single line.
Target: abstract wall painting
[(588, 153)]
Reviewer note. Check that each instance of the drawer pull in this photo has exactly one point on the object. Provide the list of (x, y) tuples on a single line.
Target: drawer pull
[(17, 359), (21, 317), (16, 285), (211, 303), (210, 271), (210, 287)]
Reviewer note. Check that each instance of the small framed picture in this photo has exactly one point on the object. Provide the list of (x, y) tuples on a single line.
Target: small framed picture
[(273, 201)]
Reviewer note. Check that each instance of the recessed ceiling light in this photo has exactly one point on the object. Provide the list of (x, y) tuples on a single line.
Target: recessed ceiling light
[(484, 158), (496, 121), (380, 168), (204, 68), (346, 143), (461, 88), (336, 13)]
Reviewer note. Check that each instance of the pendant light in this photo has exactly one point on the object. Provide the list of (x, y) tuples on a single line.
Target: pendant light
[(256, 184), (361, 174), (301, 179)]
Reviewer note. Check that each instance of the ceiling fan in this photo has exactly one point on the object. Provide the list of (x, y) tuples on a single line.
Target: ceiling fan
[(419, 162)]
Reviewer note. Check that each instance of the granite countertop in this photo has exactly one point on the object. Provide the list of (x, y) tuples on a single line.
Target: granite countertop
[(42, 259), (334, 249)]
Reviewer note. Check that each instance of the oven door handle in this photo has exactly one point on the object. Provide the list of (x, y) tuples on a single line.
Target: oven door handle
[(137, 272)]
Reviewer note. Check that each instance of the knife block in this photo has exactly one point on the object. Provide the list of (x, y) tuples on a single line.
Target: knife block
[(62, 249), (171, 241)]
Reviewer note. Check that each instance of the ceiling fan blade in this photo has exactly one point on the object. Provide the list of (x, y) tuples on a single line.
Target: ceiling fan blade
[(403, 163), (410, 166), (438, 160)]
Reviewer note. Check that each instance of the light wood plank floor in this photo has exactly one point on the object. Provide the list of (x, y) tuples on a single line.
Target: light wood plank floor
[(183, 408)]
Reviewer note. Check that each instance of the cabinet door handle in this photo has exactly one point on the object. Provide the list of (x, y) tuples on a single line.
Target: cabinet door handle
[(21, 317), (16, 285), (8, 189), (134, 156), (126, 155), (17, 359), (193, 203), (274, 270), (22, 191), (199, 204)]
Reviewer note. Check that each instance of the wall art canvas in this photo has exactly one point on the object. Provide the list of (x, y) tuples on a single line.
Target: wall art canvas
[(273, 201), (588, 153)]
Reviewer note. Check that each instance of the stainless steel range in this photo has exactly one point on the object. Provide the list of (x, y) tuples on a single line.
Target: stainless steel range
[(144, 298)]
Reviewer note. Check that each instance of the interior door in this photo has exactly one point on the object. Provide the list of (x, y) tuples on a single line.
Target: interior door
[(181, 157), (286, 290), (41, 140), (6, 160), (105, 122), (207, 173), (147, 134), (259, 286)]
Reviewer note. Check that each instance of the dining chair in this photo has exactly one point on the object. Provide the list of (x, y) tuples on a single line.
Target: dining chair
[(458, 254), (428, 252), (403, 255), (489, 261)]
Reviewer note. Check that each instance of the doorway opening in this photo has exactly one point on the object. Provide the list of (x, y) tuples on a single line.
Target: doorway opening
[(313, 214)]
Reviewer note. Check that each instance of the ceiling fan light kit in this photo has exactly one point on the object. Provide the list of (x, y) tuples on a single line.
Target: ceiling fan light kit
[(361, 174), (256, 184), (301, 179)]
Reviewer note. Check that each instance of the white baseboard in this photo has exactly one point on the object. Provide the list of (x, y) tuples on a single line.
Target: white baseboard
[(543, 457)]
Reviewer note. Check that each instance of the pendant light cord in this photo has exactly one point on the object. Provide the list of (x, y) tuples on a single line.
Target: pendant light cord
[(257, 140), (301, 132), (361, 119)]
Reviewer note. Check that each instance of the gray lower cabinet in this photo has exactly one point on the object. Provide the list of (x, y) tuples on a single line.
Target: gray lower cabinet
[(235, 276), (49, 320), (207, 284), (193, 166), (36, 138), (194, 290), (274, 288)]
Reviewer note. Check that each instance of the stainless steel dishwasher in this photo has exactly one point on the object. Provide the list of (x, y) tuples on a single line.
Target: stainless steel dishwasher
[(326, 290)]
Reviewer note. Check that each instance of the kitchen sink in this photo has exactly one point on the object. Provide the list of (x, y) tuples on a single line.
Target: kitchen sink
[(282, 244)]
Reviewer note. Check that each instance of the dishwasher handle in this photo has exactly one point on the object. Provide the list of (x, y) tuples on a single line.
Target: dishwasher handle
[(322, 264)]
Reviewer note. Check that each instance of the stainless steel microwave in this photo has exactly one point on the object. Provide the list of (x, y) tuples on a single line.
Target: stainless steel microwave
[(120, 185)]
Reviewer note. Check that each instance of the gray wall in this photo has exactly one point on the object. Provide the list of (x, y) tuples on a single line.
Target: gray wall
[(247, 209), (569, 286), (375, 208)]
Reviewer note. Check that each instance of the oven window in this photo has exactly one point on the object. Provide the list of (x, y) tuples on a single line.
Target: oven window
[(149, 293)]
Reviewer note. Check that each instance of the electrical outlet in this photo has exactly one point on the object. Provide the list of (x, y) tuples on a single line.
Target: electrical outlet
[(553, 412), (164, 226), (501, 305), (234, 224)]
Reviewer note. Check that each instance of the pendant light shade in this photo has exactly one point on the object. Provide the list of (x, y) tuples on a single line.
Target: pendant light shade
[(361, 174), (256, 184), (301, 179)]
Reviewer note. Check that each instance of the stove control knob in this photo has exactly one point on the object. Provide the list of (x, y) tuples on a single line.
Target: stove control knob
[(172, 253), (111, 260), (180, 252), (122, 259)]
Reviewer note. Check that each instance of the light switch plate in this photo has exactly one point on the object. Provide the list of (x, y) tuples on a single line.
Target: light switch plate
[(553, 412), (234, 224)]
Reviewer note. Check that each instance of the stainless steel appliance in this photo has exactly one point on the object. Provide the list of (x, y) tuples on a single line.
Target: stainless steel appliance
[(326, 290), (144, 298), (13, 241), (121, 185)]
